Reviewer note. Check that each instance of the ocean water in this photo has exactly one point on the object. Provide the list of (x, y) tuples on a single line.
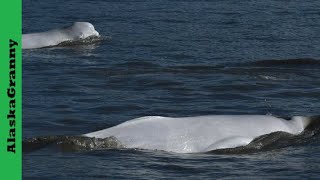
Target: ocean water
[(171, 58)]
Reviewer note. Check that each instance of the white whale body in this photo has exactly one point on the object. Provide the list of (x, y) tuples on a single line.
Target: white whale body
[(198, 134), (79, 30)]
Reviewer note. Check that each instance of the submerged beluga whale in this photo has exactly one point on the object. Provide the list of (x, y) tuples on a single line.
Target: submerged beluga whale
[(78, 31), (200, 134)]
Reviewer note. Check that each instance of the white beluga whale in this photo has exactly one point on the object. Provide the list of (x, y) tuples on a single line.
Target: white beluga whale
[(198, 134), (78, 31)]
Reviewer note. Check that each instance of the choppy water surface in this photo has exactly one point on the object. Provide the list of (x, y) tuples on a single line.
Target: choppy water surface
[(171, 58)]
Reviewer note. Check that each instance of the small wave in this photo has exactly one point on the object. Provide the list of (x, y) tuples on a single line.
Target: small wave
[(273, 141), (194, 69), (273, 78), (70, 143), (136, 64), (287, 62), (256, 66), (262, 143), (91, 40)]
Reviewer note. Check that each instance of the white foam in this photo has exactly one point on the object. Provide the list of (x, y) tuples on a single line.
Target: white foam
[(79, 30), (197, 134)]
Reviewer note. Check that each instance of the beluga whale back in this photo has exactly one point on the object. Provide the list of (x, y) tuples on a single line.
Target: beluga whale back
[(78, 31), (199, 134)]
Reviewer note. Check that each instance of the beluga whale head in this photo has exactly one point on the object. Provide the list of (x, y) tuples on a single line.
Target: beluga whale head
[(77, 31), (82, 30)]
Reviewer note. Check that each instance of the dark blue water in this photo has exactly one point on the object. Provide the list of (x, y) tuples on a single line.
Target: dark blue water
[(171, 58)]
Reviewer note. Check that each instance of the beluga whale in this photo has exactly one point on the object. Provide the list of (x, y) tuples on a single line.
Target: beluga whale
[(202, 133), (77, 31)]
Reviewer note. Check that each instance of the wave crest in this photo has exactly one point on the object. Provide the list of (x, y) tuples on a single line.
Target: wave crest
[(70, 143), (272, 141)]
